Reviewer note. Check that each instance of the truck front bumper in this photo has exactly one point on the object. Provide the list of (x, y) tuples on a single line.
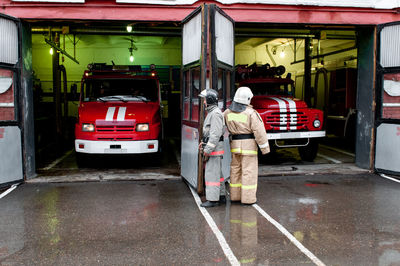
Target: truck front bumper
[(116, 147), (296, 135)]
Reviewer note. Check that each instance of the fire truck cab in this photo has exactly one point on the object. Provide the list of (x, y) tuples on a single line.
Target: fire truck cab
[(119, 111), (289, 122)]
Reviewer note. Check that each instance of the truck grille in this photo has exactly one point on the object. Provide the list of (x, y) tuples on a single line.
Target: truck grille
[(115, 128), (285, 121)]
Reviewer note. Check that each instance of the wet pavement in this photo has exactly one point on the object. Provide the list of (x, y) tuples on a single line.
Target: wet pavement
[(342, 219)]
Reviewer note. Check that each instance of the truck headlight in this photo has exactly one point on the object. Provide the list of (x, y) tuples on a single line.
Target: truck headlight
[(317, 123), (142, 127), (88, 127)]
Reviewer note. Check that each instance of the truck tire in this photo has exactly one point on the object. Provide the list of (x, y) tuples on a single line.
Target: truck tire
[(309, 152)]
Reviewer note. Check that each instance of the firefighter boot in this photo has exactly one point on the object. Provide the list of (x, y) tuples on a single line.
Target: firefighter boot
[(222, 199), (209, 204)]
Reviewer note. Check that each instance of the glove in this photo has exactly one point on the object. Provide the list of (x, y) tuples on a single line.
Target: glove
[(201, 146)]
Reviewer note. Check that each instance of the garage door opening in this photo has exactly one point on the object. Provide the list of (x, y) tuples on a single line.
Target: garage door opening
[(327, 82), (61, 53)]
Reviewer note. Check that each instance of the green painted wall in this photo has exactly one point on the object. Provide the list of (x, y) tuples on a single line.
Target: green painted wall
[(100, 49), (103, 49)]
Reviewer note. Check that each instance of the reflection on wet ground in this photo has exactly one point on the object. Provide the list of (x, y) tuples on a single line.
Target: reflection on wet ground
[(341, 219)]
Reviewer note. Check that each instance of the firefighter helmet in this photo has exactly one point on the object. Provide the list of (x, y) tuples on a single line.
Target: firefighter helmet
[(210, 95), (243, 95)]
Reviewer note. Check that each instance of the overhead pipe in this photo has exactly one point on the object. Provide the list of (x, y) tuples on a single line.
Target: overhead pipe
[(166, 33), (57, 48), (64, 77), (327, 54)]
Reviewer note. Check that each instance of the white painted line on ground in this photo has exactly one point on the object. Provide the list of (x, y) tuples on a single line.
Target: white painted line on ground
[(290, 236), (338, 150), (390, 178), (329, 158), (8, 191), (57, 161), (221, 239)]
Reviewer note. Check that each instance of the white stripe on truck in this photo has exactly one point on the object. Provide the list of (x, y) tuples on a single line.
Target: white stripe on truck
[(121, 114), (293, 117), (282, 109), (110, 114)]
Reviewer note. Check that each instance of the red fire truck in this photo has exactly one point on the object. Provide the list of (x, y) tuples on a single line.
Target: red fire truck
[(288, 121), (119, 111)]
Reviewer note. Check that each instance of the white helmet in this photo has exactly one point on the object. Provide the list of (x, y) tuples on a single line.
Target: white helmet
[(243, 95)]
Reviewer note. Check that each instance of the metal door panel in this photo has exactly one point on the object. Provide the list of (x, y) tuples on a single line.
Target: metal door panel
[(387, 142), (10, 155), (11, 161), (189, 154), (207, 47), (388, 147)]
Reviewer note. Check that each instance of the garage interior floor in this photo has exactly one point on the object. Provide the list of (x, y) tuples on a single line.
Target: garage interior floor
[(330, 159)]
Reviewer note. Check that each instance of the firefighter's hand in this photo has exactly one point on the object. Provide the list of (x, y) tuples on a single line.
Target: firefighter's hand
[(265, 151), (201, 146)]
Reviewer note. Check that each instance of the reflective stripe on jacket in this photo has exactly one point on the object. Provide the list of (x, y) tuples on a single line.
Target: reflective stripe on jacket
[(213, 129), (247, 122)]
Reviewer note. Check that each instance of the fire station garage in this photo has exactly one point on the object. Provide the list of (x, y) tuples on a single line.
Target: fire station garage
[(313, 83), (275, 51), (117, 47)]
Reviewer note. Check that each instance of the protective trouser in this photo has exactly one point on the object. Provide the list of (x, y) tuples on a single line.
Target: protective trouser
[(244, 178), (215, 185)]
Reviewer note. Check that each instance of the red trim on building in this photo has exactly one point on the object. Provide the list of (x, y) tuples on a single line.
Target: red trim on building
[(109, 10)]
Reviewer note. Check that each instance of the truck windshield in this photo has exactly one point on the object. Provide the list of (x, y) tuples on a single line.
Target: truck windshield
[(260, 89), (120, 90)]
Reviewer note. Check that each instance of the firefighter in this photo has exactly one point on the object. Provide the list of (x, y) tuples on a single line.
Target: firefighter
[(246, 131), (212, 147)]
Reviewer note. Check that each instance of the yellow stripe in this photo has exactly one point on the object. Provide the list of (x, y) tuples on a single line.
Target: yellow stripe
[(236, 221), (249, 186), (239, 150), (250, 224), (244, 261), (249, 152), (235, 185), (237, 117)]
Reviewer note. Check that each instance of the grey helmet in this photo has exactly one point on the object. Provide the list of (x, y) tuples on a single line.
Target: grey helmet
[(210, 95)]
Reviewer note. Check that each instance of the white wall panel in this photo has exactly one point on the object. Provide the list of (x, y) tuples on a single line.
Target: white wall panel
[(191, 40), (8, 41), (390, 48), (224, 39)]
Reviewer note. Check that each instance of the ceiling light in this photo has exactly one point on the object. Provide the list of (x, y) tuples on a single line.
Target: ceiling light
[(129, 28), (282, 54), (51, 51), (131, 58)]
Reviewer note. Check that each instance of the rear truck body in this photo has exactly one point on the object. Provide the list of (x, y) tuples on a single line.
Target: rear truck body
[(289, 122), (119, 111)]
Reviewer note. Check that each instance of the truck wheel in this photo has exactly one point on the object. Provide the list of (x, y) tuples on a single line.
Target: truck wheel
[(309, 152)]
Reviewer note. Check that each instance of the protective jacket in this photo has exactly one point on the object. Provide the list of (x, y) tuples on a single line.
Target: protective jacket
[(213, 130), (247, 130), (247, 123)]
